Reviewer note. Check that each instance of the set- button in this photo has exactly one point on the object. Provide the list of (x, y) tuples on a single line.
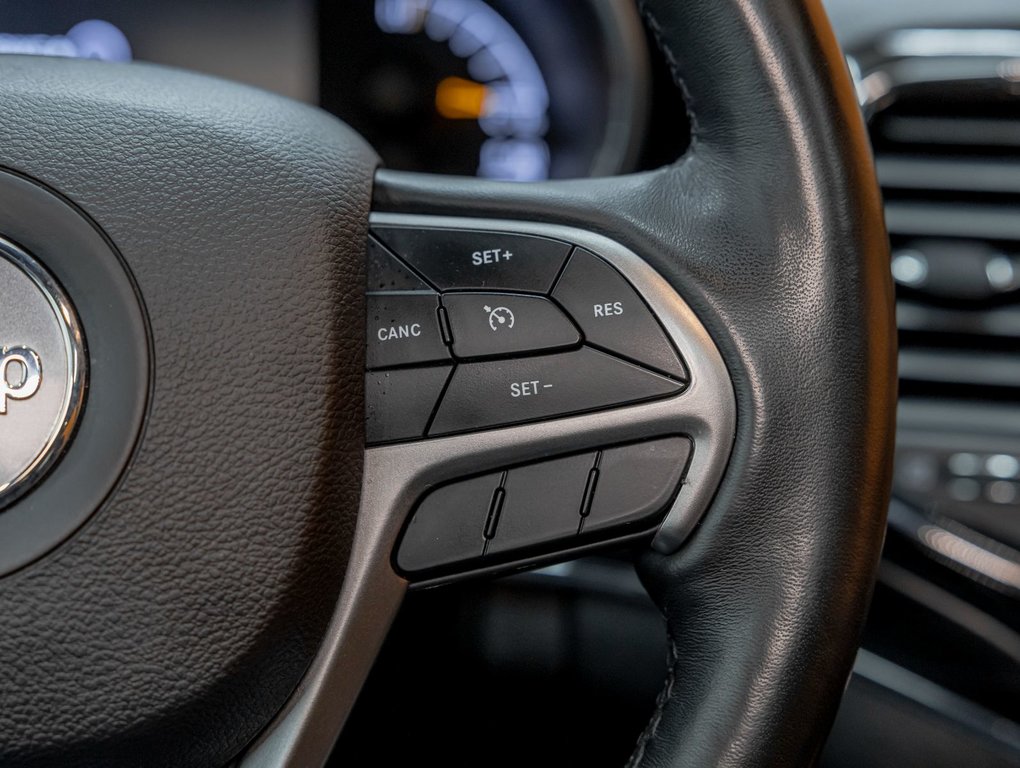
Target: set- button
[(523, 389)]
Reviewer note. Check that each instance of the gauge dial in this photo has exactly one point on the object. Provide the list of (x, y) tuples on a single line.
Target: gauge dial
[(520, 90), (505, 94)]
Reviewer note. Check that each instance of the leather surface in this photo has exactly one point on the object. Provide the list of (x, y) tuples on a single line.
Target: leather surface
[(771, 228), (173, 626)]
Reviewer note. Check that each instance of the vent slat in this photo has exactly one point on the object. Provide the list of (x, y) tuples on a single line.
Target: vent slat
[(953, 367), (1000, 322), (949, 175), (951, 131), (970, 220)]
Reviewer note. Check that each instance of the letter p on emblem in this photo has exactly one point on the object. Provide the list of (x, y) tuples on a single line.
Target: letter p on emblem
[(20, 374)]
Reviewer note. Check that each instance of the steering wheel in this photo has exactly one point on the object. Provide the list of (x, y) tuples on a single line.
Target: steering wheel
[(201, 555)]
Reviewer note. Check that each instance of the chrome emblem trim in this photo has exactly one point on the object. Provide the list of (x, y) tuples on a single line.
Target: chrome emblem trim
[(42, 372)]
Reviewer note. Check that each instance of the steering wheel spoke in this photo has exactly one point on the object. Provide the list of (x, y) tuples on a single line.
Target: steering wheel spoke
[(468, 472)]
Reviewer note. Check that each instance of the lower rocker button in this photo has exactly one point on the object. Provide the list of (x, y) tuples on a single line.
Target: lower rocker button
[(512, 391), (449, 525)]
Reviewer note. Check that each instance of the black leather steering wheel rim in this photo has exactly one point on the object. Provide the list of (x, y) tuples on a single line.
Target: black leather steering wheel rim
[(765, 603), (770, 227)]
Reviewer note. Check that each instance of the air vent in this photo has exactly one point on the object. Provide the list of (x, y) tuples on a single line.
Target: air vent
[(949, 165)]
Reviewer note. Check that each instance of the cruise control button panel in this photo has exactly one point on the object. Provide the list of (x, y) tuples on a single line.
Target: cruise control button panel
[(555, 504), (494, 324), (534, 328)]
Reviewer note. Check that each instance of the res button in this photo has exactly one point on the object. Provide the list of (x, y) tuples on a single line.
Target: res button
[(612, 315), (457, 258)]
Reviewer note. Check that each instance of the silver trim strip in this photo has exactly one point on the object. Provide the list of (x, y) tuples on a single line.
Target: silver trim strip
[(907, 58), (932, 696), (74, 387), (396, 475)]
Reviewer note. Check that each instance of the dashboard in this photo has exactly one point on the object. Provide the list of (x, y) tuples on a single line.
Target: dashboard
[(519, 90), (527, 90)]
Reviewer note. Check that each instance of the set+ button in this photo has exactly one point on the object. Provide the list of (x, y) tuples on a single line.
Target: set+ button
[(456, 258)]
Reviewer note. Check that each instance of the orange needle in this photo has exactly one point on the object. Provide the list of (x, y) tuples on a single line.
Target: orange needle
[(460, 99)]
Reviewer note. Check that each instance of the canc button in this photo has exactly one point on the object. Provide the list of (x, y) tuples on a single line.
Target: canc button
[(486, 324), (403, 329), (612, 315)]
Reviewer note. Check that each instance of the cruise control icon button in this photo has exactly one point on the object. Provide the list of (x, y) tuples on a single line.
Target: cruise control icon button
[(490, 324), (489, 394), (42, 372)]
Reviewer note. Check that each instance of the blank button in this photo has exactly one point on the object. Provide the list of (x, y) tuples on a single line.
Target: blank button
[(637, 483)]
